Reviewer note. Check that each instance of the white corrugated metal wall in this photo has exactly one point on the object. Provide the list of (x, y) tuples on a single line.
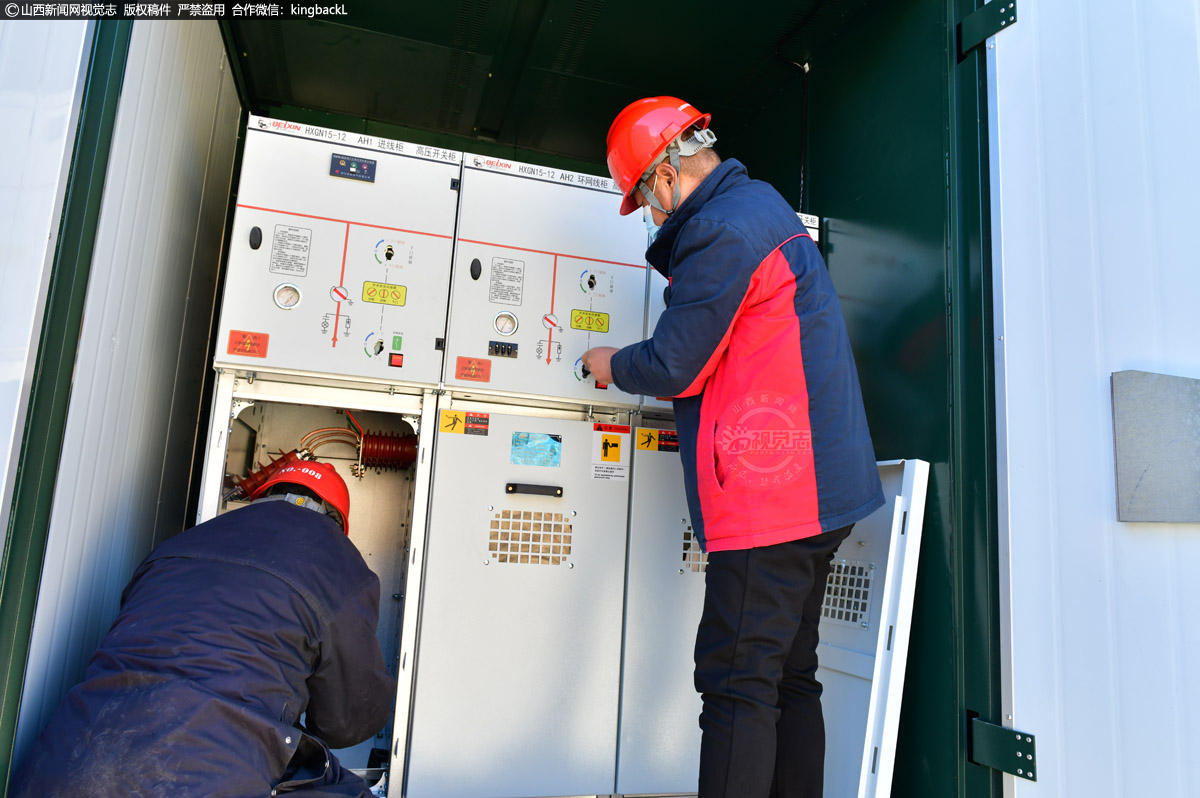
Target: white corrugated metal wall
[(1096, 113), (132, 421), (41, 82)]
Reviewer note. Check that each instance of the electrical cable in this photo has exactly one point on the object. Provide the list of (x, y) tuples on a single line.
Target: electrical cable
[(804, 68), (318, 432), (353, 444)]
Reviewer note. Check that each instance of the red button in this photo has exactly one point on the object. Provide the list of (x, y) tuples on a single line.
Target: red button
[(395, 359)]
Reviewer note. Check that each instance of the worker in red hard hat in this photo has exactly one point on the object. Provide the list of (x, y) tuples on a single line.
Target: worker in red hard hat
[(310, 484), (777, 458), (227, 634)]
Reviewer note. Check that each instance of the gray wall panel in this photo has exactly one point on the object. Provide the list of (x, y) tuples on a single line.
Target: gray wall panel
[(127, 452), (1094, 200), (41, 82)]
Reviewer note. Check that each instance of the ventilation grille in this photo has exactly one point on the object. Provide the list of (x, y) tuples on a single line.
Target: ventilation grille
[(848, 593), (693, 558), (524, 537)]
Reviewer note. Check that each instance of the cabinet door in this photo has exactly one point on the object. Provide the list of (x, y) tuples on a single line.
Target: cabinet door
[(865, 624), (660, 735), (518, 660)]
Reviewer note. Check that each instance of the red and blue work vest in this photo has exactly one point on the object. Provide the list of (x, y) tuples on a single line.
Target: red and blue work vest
[(753, 349)]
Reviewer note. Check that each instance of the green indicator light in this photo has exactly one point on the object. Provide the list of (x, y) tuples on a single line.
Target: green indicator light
[(396, 341)]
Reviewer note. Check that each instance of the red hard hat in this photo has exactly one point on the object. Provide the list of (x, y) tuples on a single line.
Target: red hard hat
[(640, 134), (321, 478)]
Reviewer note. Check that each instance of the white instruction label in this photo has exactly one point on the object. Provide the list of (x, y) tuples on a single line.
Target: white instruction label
[(507, 282), (812, 224), (289, 250)]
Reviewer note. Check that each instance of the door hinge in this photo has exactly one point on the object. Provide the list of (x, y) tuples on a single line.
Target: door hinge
[(1003, 749), (985, 22)]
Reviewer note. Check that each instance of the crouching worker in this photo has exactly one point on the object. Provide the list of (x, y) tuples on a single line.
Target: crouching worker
[(227, 634)]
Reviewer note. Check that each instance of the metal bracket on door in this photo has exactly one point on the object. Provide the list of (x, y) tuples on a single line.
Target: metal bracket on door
[(985, 22), (1003, 749)]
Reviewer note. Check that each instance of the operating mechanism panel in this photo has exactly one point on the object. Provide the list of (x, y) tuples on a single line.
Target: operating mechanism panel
[(545, 269), (339, 260), (518, 671)]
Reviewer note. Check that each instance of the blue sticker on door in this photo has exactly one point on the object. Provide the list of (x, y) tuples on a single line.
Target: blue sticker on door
[(536, 449)]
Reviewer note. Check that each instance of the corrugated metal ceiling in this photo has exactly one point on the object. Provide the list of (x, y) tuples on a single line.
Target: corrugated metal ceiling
[(542, 75)]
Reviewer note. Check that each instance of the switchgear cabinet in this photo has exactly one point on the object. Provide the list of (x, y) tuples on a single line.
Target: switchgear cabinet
[(542, 582), (339, 259), (545, 269), (519, 652)]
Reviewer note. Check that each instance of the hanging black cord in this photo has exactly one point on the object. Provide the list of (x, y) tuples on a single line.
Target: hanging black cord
[(804, 140), (804, 68)]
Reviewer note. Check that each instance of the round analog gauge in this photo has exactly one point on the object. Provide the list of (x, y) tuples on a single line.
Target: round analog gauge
[(287, 296), (505, 322)]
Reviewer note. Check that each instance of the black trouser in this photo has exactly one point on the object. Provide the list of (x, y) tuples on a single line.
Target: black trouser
[(756, 663), (315, 772)]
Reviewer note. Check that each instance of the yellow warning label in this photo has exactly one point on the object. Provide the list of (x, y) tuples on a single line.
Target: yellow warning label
[(610, 449), (647, 439), (453, 421), (384, 293), (589, 320)]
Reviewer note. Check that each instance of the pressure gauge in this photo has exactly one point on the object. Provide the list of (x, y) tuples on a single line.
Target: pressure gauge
[(505, 322), (287, 296)]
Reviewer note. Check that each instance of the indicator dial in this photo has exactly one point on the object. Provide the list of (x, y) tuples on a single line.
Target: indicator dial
[(287, 296), (505, 322)]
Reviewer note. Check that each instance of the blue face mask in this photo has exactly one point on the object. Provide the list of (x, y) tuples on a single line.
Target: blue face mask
[(648, 215), (651, 228)]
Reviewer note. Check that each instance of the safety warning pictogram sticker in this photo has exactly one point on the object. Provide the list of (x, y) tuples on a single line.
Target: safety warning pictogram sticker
[(657, 440), (473, 369), (248, 344), (610, 451), (460, 422)]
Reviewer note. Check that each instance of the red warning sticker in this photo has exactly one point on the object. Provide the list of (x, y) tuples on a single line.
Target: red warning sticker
[(668, 441), (610, 428), (657, 440), (474, 369), (248, 344), (477, 424)]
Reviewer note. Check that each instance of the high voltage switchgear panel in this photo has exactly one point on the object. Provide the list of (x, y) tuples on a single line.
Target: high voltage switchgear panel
[(340, 265), (415, 317), (339, 260), (545, 269), (519, 655)]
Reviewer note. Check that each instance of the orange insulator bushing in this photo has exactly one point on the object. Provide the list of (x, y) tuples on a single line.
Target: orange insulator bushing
[(388, 451), (254, 480)]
